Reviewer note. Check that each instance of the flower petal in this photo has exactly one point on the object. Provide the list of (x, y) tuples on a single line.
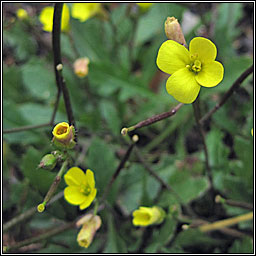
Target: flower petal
[(172, 56), (74, 177), (203, 48), (89, 199), (211, 74), (84, 11), (73, 195), (90, 178), (183, 86)]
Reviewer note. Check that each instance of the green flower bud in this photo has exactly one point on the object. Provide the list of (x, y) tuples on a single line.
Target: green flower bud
[(48, 162)]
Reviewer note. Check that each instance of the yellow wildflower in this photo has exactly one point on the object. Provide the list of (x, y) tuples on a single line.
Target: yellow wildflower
[(81, 67), (46, 18), (144, 6), (22, 14), (91, 223), (84, 11), (81, 187), (146, 216), (189, 69), (252, 131)]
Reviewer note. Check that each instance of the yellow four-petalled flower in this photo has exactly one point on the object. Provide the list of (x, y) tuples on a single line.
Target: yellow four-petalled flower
[(189, 69)]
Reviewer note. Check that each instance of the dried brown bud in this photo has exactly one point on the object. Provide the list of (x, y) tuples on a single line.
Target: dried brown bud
[(173, 30)]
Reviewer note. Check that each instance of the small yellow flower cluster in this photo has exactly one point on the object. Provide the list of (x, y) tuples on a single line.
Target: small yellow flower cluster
[(81, 11)]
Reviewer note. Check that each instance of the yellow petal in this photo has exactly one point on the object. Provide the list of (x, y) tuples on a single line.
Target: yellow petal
[(203, 48), (73, 195), (211, 74), (90, 178), (65, 18), (89, 199), (172, 56), (183, 86), (84, 11), (74, 177), (46, 18)]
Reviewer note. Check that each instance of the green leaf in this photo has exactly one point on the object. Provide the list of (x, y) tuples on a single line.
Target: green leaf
[(110, 114), (39, 79), (244, 245), (88, 38), (151, 24), (101, 160), (41, 180)]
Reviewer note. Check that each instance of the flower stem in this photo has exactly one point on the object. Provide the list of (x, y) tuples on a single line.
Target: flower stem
[(197, 114), (57, 60), (152, 119), (54, 186), (41, 237), (226, 96), (225, 223), (29, 213), (244, 205)]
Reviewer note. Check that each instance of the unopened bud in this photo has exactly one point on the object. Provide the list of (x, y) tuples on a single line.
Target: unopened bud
[(135, 138), (81, 67), (41, 207), (124, 131), (173, 30), (185, 226), (59, 67), (22, 14), (48, 162)]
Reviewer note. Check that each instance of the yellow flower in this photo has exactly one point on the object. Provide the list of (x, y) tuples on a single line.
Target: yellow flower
[(189, 69), (63, 135), (22, 14), (81, 67), (84, 11), (46, 18), (81, 187), (252, 131), (144, 6), (146, 216), (91, 223)]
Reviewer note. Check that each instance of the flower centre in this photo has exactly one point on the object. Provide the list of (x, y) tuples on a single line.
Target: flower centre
[(62, 130), (195, 65), (86, 190)]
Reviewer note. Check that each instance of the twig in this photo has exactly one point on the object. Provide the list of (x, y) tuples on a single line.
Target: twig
[(28, 214), (226, 96), (118, 170), (201, 131), (244, 205), (226, 223), (152, 119), (57, 60), (25, 128), (53, 187), (45, 235)]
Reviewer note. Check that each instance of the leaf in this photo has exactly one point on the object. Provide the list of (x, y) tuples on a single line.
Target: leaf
[(244, 245), (41, 180), (152, 23), (39, 80), (101, 160), (110, 114)]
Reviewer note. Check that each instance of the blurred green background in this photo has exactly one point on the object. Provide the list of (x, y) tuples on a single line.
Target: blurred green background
[(122, 88)]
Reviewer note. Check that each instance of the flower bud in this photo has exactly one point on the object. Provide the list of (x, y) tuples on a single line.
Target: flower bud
[(81, 67), (91, 223), (64, 135), (173, 30), (146, 216), (48, 162), (252, 131), (22, 14)]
